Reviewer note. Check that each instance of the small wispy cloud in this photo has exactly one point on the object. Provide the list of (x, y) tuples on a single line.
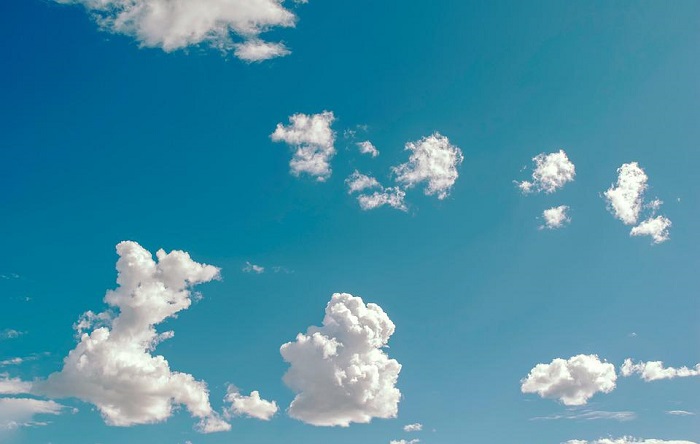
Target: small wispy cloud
[(10, 333), (252, 268), (590, 415), (680, 413)]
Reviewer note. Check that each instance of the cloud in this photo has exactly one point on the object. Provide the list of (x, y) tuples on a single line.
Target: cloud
[(13, 386), (417, 427), (552, 171), (590, 415), (656, 227), (11, 361), (555, 217), (626, 198), (680, 413), (113, 366), (252, 268), (571, 381), (339, 371), (433, 160), (19, 412), (367, 147), (626, 440), (655, 370), (392, 196), (175, 24), (252, 406), (313, 140), (403, 441), (359, 182), (9, 333)]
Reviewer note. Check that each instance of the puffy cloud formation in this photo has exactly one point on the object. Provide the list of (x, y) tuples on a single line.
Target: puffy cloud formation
[(655, 370), (433, 160), (626, 198), (417, 427), (252, 406), (367, 147), (392, 196), (555, 217), (112, 366), (571, 381), (339, 371), (313, 140), (176, 24), (252, 268), (552, 171), (626, 440), (13, 386), (19, 412), (359, 182), (656, 227)]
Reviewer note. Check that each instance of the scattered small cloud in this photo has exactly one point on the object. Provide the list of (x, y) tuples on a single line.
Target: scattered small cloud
[(555, 217), (9, 333), (366, 147), (340, 372), (572, 381), (20, 412), (258, 51), (626, 440), (403, 441), (311, 137), (9, 276), (625, 199), (252, 406), (252, 268), (416, 427), (656, 227), (552, 171), (357, 182), (392, 196), (655, 370), (680, 413), (591, 415)]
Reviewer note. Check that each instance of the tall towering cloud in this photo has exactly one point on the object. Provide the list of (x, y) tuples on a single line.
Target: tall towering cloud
[(625, 199), (227, 25), (311, 137), (339, 371), (433, 160), (655, 370), (552, 171), (113, 366), (572, 381)]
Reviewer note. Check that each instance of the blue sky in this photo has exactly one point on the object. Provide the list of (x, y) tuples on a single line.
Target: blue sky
[(115, 134)]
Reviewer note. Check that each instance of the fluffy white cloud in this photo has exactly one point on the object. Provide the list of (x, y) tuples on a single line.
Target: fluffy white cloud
[(626, 198), (252, 268), (433, 160), (556, 217), (176, 24), (13, 386), (656, 227), (655, 370), (252, 406), (417, 427), (403, 441), (313, 140), (339, 371), (392, 196), (571, 381), (368, 147), (626, 440), (19, 412), (359, 182), (113, 366), (552, 171)]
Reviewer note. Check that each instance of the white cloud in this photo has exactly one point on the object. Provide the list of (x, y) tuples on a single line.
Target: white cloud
[(11, 361), (571, 381), (312, 138), (626, 198), (13, 386), (656, 227), (177, 24), (626, 440), (112, 366), (367, 147), (590, 415), (339, 371), (252, 406), (358, 182), (417, 427), (9, 333), (655, 370), (433, 160), (555, 217), (252, 268), (403, 441), (392, 196), (552, 171), (680, 413), (19, 412)]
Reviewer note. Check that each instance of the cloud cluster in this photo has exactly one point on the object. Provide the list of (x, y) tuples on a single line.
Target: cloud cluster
[(19, 412), (339, 371), (433, 161), (555, 217), (417, 427), (626, 440), (656, 227), (552, 171), (391, 196), (571, 381), (113, 366), (311, 137), (227, 25), (252, 406), (655, 370), (357, 182), (252, 268)]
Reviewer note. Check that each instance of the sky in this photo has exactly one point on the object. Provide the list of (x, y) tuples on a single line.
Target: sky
[(254, 221)]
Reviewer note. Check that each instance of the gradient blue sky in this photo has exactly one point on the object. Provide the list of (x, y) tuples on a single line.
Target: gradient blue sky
[(103, 141)]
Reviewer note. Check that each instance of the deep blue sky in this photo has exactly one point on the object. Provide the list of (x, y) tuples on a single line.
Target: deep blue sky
[(103, 141)]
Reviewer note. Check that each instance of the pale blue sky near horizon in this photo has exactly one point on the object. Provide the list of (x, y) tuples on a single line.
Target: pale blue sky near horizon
[(103, 141)]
